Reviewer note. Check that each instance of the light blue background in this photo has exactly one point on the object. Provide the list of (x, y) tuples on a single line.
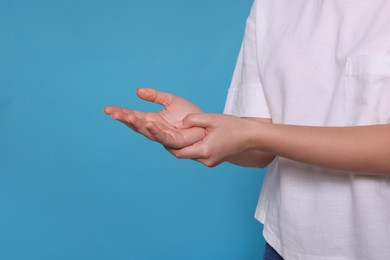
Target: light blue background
[(75, 184)]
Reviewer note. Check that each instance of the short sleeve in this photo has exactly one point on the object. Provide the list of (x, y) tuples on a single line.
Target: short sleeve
[(245, 95)]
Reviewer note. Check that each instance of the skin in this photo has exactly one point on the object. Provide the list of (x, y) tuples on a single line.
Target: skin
[(154, 124), (211, 139), (360, 149)]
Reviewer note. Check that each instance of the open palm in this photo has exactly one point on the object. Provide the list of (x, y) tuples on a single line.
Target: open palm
[(160, 126)]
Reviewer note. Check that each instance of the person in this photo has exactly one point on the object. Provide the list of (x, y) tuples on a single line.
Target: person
[(309, 100)]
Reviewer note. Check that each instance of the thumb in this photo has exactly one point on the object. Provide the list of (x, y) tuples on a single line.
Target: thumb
[(155, 96), (198, 120)]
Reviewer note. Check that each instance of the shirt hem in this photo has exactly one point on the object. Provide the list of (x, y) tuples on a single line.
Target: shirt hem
[(276, 244)]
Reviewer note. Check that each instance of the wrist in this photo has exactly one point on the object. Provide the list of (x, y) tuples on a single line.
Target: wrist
[(257, 133)]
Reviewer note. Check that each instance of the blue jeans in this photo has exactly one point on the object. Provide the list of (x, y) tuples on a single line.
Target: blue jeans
[(270, 253)]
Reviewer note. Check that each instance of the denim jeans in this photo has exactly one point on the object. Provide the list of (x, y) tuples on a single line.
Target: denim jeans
[(271, 254)]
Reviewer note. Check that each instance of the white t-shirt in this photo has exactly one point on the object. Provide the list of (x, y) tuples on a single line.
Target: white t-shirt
[(318, 63)]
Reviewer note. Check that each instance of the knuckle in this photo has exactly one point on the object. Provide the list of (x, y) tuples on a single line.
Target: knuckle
[(164, 98), (209, 163), (168, 98), (177, 154), (148, 124)]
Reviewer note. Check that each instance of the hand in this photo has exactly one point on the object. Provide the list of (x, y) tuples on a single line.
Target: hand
[(159, 126), (226, 136)]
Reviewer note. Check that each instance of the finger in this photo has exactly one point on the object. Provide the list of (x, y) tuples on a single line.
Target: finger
[(125, 120), (176, 152), (155, 96), (129, 116), (111, 109), (170, 137), (138, 125), (175, 138), (199, 120), (208, 162), (134, 121), (118, 115), (195, 152), (137, 113), (192, 135), (163, 134), (129, 119), (114, 109)]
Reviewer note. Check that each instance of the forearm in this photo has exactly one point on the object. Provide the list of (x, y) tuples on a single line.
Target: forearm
[(363, 149), (251, 158)]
